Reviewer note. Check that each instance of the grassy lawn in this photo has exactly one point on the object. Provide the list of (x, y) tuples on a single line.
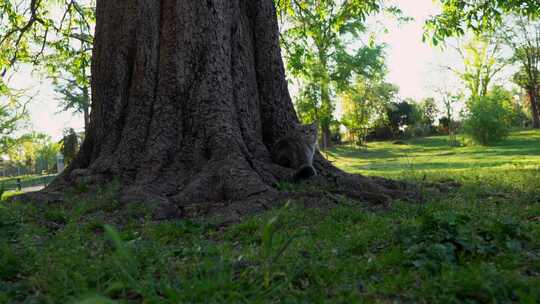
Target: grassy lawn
[(477, 244), (434, 156), (10, 183)]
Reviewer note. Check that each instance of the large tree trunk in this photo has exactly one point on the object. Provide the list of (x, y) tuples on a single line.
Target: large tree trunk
[(188, 99), (86, 108)]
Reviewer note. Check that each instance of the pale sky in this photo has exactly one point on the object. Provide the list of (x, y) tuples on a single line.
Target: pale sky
[(412, 62), (413, 66), (44, 108)]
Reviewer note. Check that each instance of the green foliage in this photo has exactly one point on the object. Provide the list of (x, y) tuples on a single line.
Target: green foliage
[(46, 156), (270, 252), (448, 238), (483, 59), (364, 105), (320, 54), (96, 300), (308, 103), (448, 124), (69, 67), (126, 267), (70, 145), (10, 264), (75, 96), (400, 115), (34, 151), (423, 118), (13, 117), (459, 16), (428, 111), (418, 130), (55, 36), (489, 118), (32, 29), (523, 36), (523, 76)]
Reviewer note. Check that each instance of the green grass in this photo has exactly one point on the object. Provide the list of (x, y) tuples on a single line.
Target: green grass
[(477, 244), (10, 183), (434, 155)]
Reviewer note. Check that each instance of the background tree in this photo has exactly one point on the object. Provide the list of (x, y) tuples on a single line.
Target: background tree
[(32, 28), (429, 111), (323, 48), (459, 16), (524, 38), (422, 118), (68, 65), (55, 35), (70, 145), (400, 115), (46, 155), (449, 101), (364, 104), (31, 152), (489, 118), (483, 59), (13, 117)]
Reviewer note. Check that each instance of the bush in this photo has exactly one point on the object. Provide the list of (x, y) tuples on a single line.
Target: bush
[(419, 130), (489, 118), (381, 132)]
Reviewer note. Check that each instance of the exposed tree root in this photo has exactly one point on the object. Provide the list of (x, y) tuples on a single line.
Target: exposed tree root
[(242, 192)]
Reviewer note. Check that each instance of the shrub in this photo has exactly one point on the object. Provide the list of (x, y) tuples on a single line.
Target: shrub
[(418, 130), (381, 132), (489, 117)]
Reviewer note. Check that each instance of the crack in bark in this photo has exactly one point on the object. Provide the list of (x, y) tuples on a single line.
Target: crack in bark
[(156, 87)]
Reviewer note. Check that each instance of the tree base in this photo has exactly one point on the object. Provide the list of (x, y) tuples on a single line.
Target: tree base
[(188, 99), (227, 198)]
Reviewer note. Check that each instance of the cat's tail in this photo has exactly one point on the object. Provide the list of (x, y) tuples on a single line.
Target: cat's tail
[(305, 172)]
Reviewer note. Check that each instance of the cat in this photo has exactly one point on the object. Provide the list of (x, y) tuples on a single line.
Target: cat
[(296, 151)]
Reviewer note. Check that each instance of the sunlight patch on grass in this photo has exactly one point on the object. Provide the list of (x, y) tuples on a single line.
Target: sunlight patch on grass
[(433, 154)]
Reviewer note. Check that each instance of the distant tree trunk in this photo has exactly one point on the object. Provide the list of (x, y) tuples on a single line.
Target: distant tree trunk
[(326, 107), (188, 99), (533, 96), (326, 103)]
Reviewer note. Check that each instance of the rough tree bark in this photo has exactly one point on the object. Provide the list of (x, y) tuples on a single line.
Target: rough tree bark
[(86, 108), (188, 99)]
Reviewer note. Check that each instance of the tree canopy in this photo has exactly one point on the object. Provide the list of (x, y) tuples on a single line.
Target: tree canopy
[(325, 45), (54, 37), (364, 105), (459, 16), (32, 28), (13, 115), (483, 59)]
